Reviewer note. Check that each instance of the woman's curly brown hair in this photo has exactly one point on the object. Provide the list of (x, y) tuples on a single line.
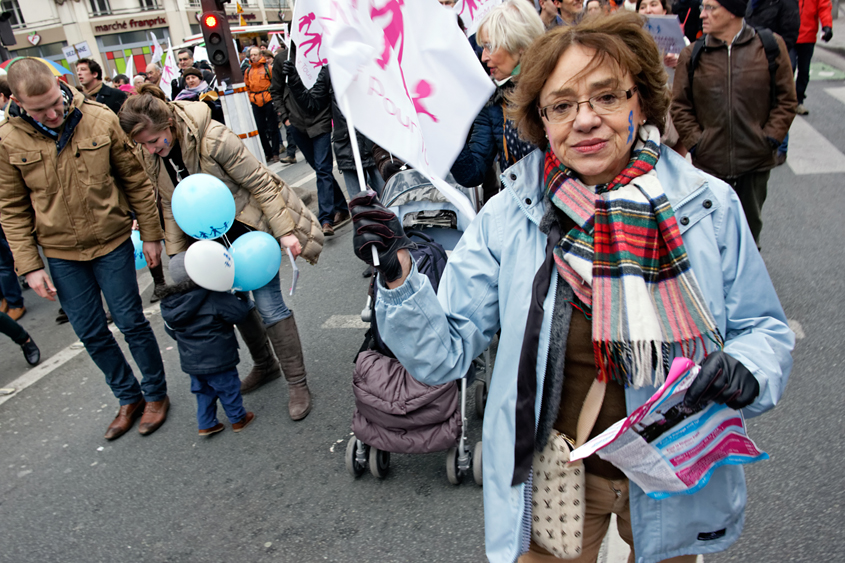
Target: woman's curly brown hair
[(620, 39)]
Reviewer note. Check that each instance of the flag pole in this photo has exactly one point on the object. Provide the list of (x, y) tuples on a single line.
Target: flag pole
[(356, 154)]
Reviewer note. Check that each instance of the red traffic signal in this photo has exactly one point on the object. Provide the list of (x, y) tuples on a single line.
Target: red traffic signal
[(212, 31)]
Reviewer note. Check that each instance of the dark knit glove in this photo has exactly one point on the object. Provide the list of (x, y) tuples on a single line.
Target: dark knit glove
[(827, 34), (725, 380), (288, 68), (375, 225)]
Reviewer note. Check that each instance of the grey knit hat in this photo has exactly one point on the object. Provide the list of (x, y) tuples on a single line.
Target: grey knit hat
[(178, 273)]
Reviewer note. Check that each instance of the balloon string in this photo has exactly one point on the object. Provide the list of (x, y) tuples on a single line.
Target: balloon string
[(226, 240)]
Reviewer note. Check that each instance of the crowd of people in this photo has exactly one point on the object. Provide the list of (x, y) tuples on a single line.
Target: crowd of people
[(621, 228)]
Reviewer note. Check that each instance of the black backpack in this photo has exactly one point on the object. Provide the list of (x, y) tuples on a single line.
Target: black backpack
[(770, 45), (431, 261)]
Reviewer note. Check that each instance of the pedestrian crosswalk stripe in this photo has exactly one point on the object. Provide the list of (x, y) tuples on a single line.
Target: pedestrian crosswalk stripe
[(810, 152), (345, 321), (838, 93)]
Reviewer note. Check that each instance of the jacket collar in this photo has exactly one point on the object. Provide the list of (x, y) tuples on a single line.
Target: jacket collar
[(23, 122)]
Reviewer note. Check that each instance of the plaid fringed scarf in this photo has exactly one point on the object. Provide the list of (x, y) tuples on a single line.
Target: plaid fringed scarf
[(626, 260)]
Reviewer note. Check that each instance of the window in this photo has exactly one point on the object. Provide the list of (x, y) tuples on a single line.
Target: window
[(13, 7), (51, 51), (276, 4), (100, 8), (149, 5)]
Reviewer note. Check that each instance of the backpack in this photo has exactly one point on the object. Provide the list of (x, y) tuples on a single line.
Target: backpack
[(770, 46), (431, 262)]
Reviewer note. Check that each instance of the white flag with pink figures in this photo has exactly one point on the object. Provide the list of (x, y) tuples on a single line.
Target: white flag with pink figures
[(307, 34), (410, 78), (472, 12)]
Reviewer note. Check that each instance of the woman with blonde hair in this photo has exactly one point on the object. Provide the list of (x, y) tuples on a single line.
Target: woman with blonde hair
[(504, 35), (177, 139)]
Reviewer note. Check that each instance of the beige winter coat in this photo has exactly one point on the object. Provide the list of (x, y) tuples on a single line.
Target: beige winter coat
[(262, 200)]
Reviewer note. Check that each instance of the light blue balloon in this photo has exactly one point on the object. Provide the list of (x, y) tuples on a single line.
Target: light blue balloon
[(258, 257), (140, 260), (203, 206)]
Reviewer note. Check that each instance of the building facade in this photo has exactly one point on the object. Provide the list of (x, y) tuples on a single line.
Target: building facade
[(113, 31)]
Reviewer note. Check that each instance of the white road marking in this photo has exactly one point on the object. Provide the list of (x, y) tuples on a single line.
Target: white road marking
[(796, 327), (345, 321), (810, 152), (63, 356), (838, 93)]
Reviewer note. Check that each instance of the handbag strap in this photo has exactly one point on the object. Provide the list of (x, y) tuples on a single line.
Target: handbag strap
[(590, 411)]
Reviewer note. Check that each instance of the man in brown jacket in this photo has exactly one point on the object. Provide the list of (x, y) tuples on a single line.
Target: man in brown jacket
[(733, 116), (70, 180)]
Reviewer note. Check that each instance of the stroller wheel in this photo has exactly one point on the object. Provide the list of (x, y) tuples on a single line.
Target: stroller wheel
[(480, 397), (476, 465), (454, 475), (379, 462), (355, 469)]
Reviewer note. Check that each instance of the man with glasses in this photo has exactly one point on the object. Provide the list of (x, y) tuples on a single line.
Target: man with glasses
[(185, 60), (730, 108), (70, 181)]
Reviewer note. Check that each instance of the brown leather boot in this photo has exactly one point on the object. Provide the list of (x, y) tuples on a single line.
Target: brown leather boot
[(285, 339), (155, 413), (266, 367), (125, 418)]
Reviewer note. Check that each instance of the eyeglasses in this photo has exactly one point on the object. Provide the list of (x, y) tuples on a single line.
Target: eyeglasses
[(487, 47), (708, 8), (605, 103)]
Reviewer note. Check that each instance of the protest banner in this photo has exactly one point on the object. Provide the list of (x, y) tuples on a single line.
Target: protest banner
[(411, 79), (472, 11)]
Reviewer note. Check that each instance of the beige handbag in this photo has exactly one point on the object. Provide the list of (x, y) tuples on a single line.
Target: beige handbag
[(557, 522)]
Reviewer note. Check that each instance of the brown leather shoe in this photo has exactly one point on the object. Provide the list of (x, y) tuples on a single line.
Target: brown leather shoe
[(125, 418), (16, 314), (238, 426), (154, 416), (213, 430)]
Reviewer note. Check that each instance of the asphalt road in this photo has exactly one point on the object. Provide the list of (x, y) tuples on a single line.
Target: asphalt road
[(279, 490)]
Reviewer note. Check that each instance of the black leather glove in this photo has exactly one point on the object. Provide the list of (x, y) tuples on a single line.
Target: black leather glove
[(375, 225), (390, 169), (827, 34), (725, 380), (288, 68)]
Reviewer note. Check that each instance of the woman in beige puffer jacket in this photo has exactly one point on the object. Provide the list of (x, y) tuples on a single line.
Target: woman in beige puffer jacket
[(176, 139)]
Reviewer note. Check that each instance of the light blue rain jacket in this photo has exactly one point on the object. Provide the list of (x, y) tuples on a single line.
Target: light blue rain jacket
[(487, 286)]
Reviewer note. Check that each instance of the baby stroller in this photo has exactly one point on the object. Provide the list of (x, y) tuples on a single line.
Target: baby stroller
[(395, 413)]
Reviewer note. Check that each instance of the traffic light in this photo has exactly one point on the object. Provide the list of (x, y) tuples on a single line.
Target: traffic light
[(212, 30)]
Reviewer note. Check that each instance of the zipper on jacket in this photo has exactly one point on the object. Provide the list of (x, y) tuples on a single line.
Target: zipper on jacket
[(730, 119)]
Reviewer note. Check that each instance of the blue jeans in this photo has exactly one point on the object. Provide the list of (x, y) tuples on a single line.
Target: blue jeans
[(291, 150), (318, 152), (79, 284), (12, 329), (371, 175), (270, 303), (224, 386), (10, 289)]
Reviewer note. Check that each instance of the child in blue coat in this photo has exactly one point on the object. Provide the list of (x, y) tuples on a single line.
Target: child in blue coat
[(201, 322)]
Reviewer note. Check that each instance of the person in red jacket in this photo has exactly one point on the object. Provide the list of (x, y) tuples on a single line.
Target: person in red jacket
[(812, 12)]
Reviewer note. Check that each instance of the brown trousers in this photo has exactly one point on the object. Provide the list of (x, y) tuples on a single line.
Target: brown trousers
[(603, 498)]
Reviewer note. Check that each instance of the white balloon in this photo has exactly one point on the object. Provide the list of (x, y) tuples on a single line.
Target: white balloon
[(210, 265)]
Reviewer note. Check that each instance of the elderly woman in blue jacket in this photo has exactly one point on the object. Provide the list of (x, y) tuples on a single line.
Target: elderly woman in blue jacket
[(605, 257), (504, 34)]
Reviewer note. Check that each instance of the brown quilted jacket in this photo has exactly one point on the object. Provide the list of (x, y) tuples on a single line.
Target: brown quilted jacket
[(262, 200), (74, 204)]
